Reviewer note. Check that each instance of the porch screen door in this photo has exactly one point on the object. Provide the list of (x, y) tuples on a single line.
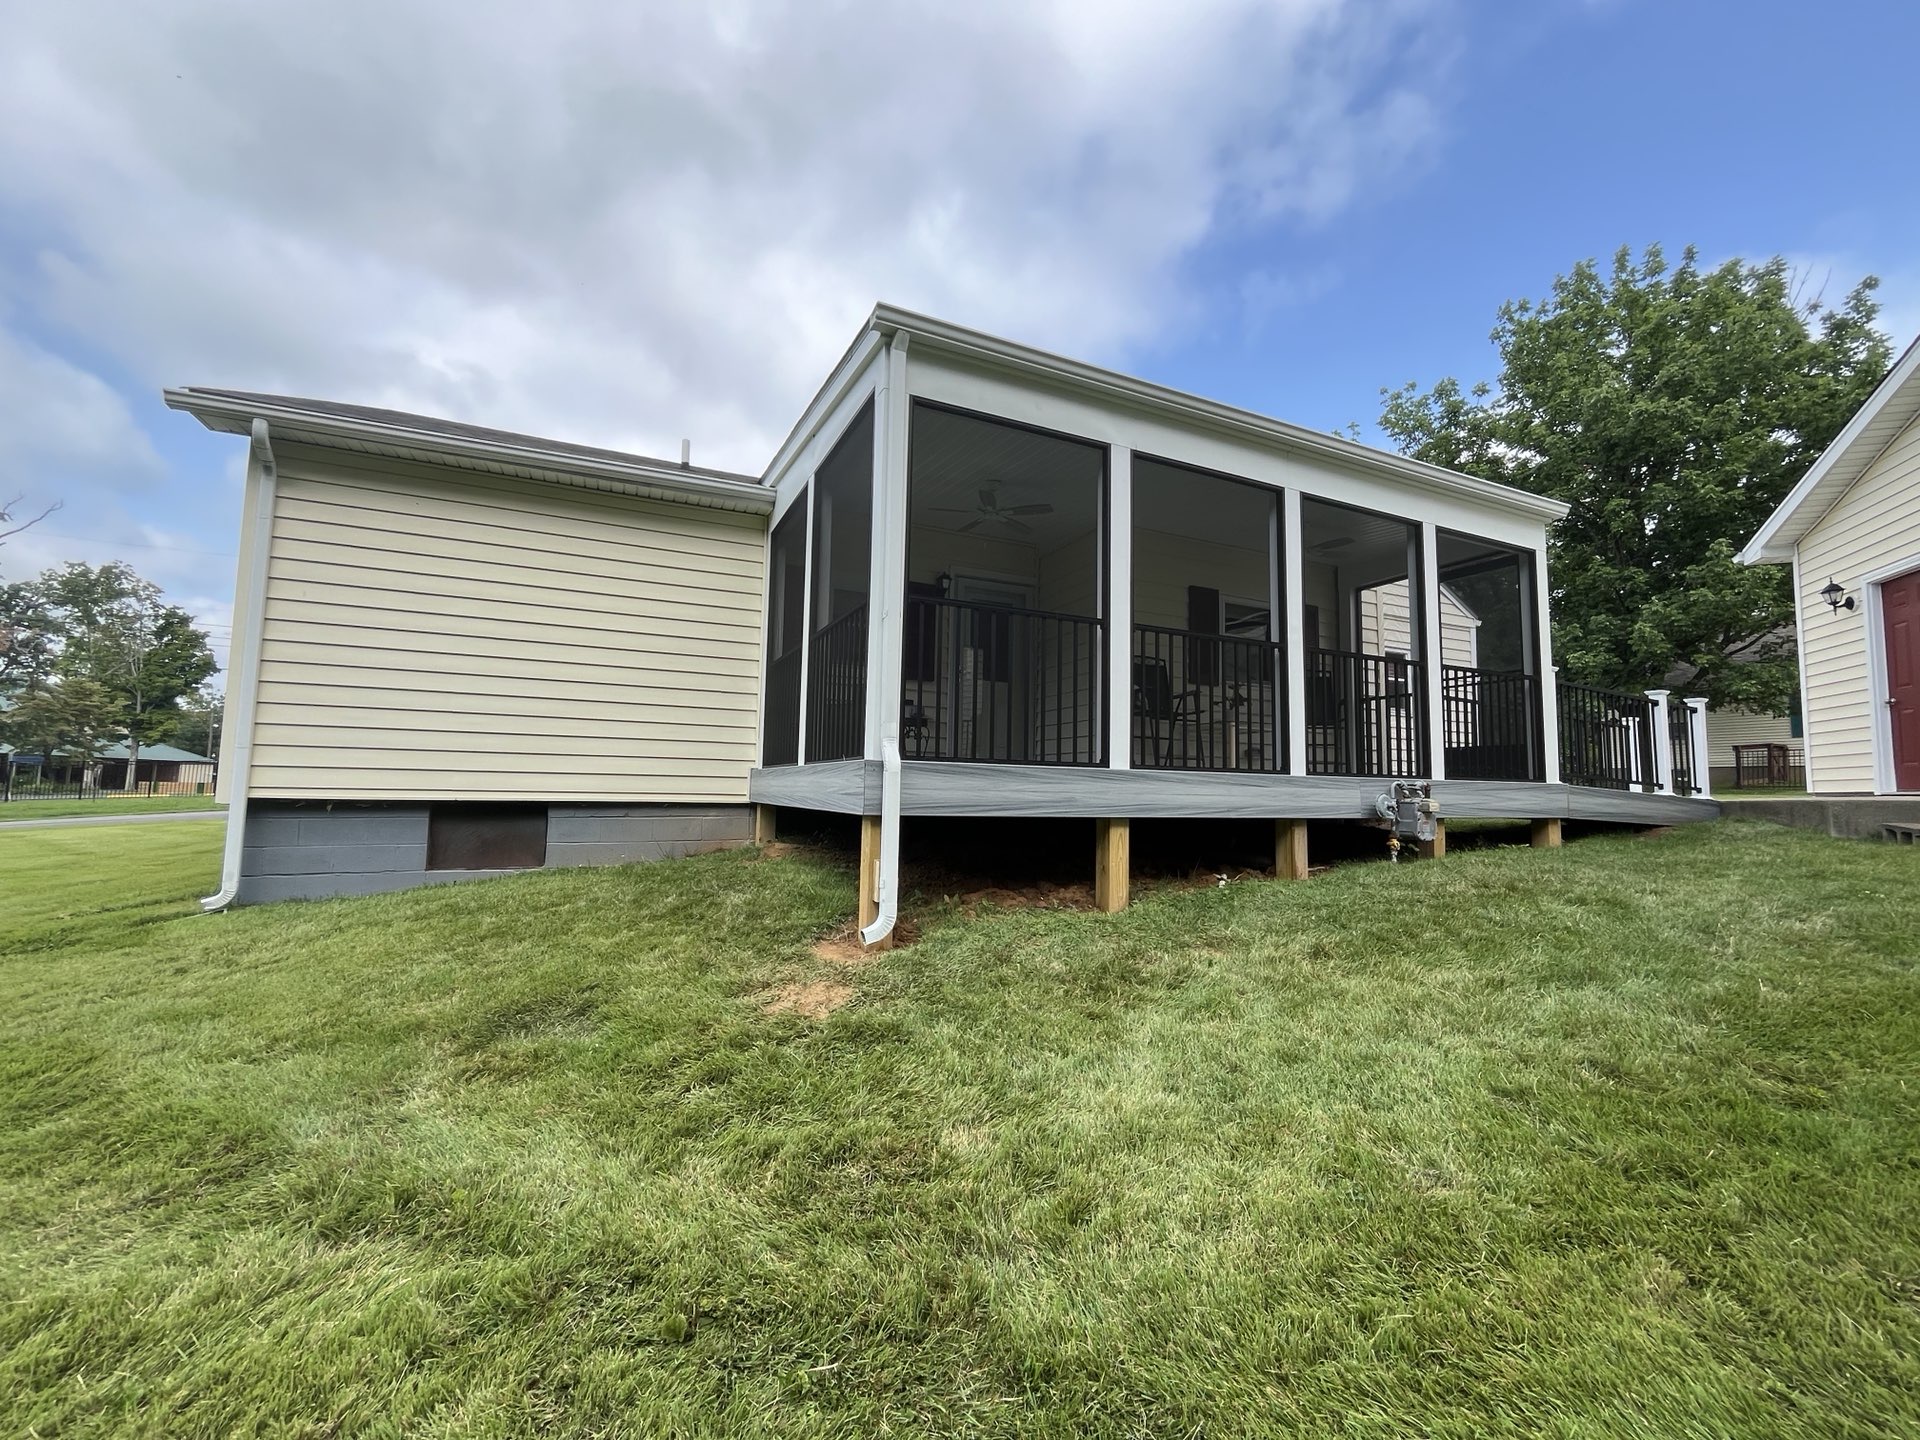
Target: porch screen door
[(1900, 607)]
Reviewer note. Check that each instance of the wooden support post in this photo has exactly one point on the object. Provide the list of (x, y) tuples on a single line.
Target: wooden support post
[(1290, 849), (1436, 848), (1112, 864), (870, 876), (763, 817), (1546, 834)]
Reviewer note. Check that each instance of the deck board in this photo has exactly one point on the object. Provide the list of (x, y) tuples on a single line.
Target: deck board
[(944, 787)]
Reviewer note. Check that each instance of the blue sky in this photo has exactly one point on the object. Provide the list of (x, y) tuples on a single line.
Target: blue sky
[(626, 225), (1565, 132)]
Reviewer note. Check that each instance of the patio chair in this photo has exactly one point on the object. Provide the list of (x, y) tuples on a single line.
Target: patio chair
[(1163, 708)]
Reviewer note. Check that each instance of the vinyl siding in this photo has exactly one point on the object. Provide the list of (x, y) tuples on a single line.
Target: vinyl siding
[(1874, 525), (1728, 728), (430, 634), (1386, 624)]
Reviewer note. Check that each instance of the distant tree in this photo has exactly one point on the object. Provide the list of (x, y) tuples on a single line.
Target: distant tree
[(27, 644), (10, 522), (115, 629), (1672, 409), (200, 718), (74, 719)]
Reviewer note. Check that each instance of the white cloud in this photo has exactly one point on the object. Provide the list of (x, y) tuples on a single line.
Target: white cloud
[(60, 421), (625, 223)]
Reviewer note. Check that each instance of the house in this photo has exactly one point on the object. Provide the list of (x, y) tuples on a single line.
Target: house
[(975, 579), (1851, 531), (1734, 730), (160, 770)]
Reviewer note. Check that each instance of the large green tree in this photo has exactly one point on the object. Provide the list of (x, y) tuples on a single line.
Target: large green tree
[(69, 721), (1672, 407), (115, 629)]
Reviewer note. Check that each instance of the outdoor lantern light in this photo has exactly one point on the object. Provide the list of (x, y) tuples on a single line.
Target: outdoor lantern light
[(1836, 597)]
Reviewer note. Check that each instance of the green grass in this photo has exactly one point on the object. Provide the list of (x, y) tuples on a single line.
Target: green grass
[(1612, 1140), (128, 805)]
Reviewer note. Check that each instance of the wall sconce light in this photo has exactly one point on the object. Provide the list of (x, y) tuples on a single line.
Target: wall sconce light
[(1837, 599)]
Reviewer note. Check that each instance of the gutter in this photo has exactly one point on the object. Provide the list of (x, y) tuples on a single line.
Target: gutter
[(250, 600), (890, 524), (293, 422)]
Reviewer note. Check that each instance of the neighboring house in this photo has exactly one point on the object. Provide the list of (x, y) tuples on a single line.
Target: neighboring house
[(160, 770), (1732, 726), (975, 579), (1851, 531)]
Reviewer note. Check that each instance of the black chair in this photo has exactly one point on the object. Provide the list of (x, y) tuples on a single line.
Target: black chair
[(914, 725), (1160, 705)]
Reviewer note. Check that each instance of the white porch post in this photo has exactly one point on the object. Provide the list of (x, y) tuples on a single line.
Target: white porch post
[(886, 620), (1120, 608), (1662, 742), (1430, 651), (1549, 673), (1697, 729), (1294, 617)]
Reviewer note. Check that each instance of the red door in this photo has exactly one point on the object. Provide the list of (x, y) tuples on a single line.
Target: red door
[(1900, 602)]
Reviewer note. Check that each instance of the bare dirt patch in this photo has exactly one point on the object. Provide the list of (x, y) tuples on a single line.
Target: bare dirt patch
[(810, 999)]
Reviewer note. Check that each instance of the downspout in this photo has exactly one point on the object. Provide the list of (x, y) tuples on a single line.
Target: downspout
[(891, 499), (250, 601)]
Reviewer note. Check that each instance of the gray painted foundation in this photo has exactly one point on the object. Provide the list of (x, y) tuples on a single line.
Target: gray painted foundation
[(1850, 817), (310, 850)]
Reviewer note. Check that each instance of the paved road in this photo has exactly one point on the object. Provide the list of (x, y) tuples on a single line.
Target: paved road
[(112, 820)]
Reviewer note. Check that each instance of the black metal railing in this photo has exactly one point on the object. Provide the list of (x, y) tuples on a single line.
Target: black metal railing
[(1680, 736), (1490, 724), (1606, 738), (1207, 702), (996, 683), (1768, 765), (837, 689), (780, 711), (1366, 714)]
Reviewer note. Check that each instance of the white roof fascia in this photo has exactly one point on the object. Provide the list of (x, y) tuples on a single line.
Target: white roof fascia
[(1860, 442), (1007, 354), (647, 479), (845, 375)]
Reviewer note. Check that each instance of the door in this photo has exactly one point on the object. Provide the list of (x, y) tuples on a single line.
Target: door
[(1900, 608)]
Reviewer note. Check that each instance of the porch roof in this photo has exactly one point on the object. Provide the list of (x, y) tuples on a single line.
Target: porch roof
[(1010, 356)]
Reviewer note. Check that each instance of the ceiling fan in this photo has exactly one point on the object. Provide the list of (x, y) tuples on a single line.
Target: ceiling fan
[(991, 511)]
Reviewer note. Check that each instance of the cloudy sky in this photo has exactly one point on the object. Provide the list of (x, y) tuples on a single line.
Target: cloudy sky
[(626, 222)]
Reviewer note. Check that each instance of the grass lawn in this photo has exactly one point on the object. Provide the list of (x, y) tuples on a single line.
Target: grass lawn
[(1612, 1140), (128, 805)]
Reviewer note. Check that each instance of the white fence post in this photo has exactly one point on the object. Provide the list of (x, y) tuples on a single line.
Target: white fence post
[(1662, 743), (1697, 728)]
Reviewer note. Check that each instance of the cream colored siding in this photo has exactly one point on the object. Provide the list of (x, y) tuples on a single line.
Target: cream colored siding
[(1386, 624), (1874, 525), (1728, 728), (1164, 565), (433, 634)]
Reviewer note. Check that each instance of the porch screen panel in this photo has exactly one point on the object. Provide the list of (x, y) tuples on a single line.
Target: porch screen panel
[(842, 577), (1490, 689), (1003, 658), (786, 609), (1208, 682), (1366, 702)]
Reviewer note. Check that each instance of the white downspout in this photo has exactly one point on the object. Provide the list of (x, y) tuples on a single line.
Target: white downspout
[(250, 605), (890, 566)]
